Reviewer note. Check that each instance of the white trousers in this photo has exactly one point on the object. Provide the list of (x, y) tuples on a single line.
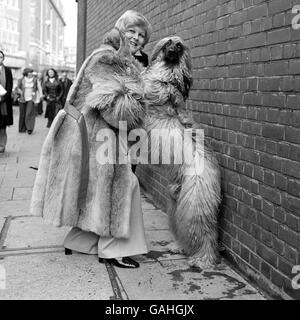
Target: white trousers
[(109, 248)]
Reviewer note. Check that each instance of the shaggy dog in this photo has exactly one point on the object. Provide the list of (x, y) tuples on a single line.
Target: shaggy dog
[(194, 193)]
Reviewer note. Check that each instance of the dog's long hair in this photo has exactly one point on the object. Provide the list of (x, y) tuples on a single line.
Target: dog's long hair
[(194, 198)]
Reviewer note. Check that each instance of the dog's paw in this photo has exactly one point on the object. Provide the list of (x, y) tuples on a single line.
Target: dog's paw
[(174, 248), (202, 263)]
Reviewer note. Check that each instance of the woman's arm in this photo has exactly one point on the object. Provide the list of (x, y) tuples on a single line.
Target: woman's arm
[(118, 99), (19, 87), (45, 91)]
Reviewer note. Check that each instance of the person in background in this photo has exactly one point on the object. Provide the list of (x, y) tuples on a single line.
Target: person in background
[(66, 84), (27, 88), (39, 95), (53, 92), (6, 110)]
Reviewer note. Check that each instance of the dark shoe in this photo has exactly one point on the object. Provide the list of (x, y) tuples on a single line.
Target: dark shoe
[(2, 150), (130, 262), (29, 131), (68, 252), (126, 263)]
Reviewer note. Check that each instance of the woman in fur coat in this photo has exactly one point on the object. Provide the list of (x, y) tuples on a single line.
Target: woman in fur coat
[(99, 198)]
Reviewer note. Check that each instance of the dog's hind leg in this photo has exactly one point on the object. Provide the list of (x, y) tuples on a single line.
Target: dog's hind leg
[(174, 190), (207, 257)]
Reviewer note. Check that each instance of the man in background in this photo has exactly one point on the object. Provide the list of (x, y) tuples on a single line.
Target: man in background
[(66, 84)]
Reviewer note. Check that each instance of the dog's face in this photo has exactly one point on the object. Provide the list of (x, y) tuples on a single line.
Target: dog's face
[(172, 51), (176, 56)]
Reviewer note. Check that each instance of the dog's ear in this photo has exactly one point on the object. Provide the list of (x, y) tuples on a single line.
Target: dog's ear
[(187, 83), (186, 67)]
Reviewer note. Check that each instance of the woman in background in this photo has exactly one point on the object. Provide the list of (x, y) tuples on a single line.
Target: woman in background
[(53, 92), (27, 89)]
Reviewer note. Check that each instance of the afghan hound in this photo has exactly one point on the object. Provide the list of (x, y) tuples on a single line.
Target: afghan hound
[(194, 193)]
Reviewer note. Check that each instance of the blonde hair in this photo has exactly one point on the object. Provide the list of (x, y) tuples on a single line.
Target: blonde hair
[(134, 18)]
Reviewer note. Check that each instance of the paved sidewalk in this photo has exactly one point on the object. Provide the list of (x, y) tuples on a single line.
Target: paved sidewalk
[(32, 255)]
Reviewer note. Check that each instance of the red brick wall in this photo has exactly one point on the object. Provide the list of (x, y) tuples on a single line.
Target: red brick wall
[(246, 94)]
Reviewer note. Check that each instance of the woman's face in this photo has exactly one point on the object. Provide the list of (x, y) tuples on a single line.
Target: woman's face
[(136, 36), (29, 75), (51, 74)]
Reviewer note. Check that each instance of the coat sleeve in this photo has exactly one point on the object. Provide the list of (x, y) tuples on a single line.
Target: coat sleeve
[(9, 82), (118, 100), (45, 90), (117, 92)]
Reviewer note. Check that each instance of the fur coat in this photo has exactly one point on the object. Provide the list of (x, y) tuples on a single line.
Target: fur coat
[(107, 90)]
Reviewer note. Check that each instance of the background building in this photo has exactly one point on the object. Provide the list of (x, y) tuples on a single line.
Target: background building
[(10, 35), (246, 95), (32, 34), (70, 60), (42, 35)]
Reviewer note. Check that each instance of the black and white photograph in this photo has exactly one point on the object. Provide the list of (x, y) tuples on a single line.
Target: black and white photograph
[(150, 151)]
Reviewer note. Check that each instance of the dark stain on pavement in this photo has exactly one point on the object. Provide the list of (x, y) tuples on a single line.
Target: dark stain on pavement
[(155, 255), (162, 243), (234, 285), (178, 277), (193, 287), (177, 274), (230, 293)]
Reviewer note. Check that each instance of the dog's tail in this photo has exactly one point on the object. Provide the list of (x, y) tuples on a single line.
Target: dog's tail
[(195, 198)]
